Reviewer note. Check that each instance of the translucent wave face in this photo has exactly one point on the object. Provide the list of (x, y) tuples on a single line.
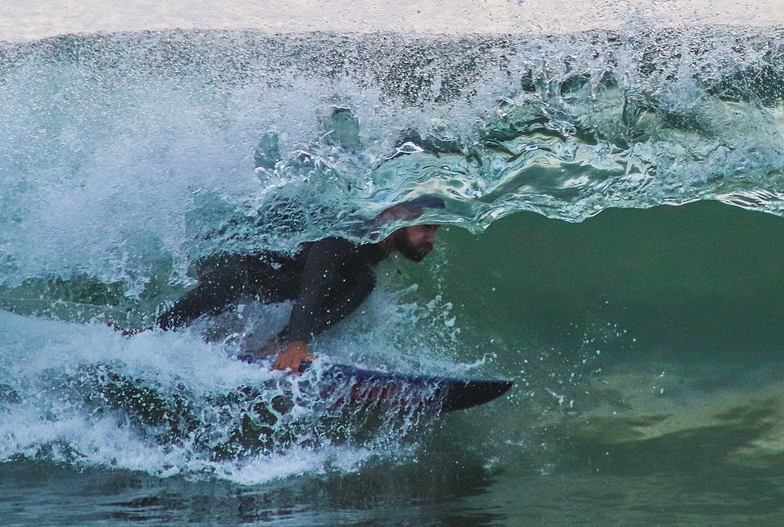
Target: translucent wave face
[(132, 155)]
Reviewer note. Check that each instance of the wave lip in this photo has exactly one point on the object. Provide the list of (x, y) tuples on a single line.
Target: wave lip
[(130, 156)]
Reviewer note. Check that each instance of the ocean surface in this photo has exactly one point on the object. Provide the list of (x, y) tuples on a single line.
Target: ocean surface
[(611, 242)]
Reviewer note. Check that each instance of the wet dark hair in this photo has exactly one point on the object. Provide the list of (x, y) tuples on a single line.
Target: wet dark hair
[(418, 205), (405, 210)]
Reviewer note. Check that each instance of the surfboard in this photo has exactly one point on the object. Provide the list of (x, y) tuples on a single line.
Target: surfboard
[(374, 388)]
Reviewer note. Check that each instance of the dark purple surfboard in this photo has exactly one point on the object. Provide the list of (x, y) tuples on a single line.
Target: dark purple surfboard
[(372, 388)]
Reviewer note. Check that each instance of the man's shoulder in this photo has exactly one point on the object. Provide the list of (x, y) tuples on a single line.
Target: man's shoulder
[(338, 246), (332, 241)]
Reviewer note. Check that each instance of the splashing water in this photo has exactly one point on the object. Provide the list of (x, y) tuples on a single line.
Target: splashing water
[(127, 157)]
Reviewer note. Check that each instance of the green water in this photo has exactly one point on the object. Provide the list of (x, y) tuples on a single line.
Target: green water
[(677, 420), (644, 343), (702, 280)]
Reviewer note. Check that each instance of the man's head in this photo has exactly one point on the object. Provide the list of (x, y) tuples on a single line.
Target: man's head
[(414, 242)]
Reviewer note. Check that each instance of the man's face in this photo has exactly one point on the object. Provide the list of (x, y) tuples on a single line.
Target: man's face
[(416, 242)]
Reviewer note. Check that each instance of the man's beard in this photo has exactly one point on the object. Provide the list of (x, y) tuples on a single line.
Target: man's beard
[(409, 250)]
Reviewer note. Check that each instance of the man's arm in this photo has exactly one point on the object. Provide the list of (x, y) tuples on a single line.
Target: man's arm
[(327, 295), (197, 302), (217, 289), (321, 280)]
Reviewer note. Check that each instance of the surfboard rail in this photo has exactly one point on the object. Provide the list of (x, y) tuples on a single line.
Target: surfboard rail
[(368, 388)]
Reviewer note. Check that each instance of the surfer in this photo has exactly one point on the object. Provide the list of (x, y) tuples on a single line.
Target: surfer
[(327, 280)]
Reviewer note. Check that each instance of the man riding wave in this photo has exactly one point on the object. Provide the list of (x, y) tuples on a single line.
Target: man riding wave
[(327, 280)]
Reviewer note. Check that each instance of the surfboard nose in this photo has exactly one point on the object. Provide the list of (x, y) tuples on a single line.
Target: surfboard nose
[(459, 395)]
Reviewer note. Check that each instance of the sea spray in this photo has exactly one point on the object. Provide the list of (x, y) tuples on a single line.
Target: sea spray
[(128, 158), (113, 142), (169, 403)]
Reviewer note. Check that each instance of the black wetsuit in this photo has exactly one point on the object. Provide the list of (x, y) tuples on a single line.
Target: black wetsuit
[(327, 280)]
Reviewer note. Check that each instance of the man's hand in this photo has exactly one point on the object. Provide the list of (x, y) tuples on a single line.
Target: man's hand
[(292, 356)]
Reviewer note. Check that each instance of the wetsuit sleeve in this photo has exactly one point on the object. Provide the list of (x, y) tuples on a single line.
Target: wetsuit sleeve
[(196, 303), (217, 290), (328, 293)]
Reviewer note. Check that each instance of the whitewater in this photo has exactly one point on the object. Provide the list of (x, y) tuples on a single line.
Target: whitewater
[(611, 242)]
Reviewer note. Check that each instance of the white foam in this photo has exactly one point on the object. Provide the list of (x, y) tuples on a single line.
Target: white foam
[(24, 21), (38, 356)]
